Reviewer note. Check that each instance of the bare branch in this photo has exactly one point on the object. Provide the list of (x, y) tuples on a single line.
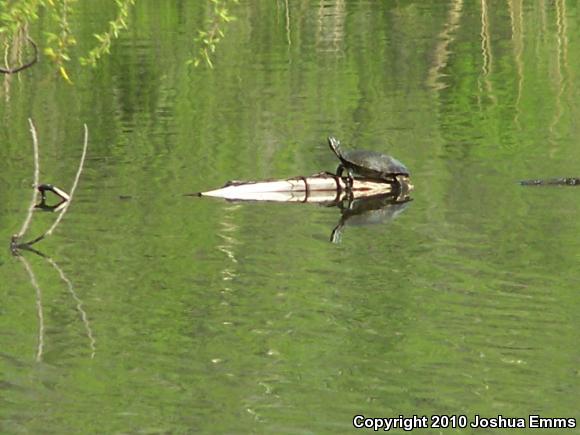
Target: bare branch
[(79, 302), (26, 222), (71, 194)]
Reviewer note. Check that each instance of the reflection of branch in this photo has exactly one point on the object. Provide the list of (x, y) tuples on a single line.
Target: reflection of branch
[(26, 223), (562, 26), (71, 194), (330, 32), (442, 52), (486, 50), (485, 40), (562, 39), (39, 310), (79, 306), (79, 302), (26, 65), (517, 24), (288, 23)]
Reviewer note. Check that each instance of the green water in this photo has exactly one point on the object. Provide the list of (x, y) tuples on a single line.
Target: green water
[(189, 315)]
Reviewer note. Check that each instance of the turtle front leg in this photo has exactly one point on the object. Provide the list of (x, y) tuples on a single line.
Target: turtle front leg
[(349, 184), (349, 179)]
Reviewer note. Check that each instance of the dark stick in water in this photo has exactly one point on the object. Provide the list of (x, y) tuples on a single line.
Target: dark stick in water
[(564, 181)]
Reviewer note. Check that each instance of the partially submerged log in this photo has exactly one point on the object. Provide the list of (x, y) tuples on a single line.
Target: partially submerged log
[(323, 187), (366, 202)]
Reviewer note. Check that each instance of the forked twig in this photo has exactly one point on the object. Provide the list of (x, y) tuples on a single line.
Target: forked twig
[(16, 245), (71, 194)]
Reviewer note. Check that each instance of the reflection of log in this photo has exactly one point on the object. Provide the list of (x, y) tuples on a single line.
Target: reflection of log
[(317, 188)]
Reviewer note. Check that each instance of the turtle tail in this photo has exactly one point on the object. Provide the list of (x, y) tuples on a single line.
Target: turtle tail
[(334, 144)]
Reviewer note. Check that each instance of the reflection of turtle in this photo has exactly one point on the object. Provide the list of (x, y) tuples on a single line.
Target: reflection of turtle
[(367, 164), (368, 211)]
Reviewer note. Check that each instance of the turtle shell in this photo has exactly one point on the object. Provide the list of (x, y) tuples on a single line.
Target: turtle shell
[(368, 163), (372, 161)]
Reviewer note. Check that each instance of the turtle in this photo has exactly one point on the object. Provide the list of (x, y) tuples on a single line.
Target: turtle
[(367, 164)]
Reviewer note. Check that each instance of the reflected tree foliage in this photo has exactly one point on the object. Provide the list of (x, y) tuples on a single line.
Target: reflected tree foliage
[(58, 40), (62, 35)]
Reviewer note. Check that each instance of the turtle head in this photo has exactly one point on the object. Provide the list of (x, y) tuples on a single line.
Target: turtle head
[(334, 144)]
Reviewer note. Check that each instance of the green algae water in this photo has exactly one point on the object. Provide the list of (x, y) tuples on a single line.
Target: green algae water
[(179, 314)]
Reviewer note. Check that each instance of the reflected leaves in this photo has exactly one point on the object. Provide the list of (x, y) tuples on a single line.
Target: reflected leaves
[(209, 37)]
